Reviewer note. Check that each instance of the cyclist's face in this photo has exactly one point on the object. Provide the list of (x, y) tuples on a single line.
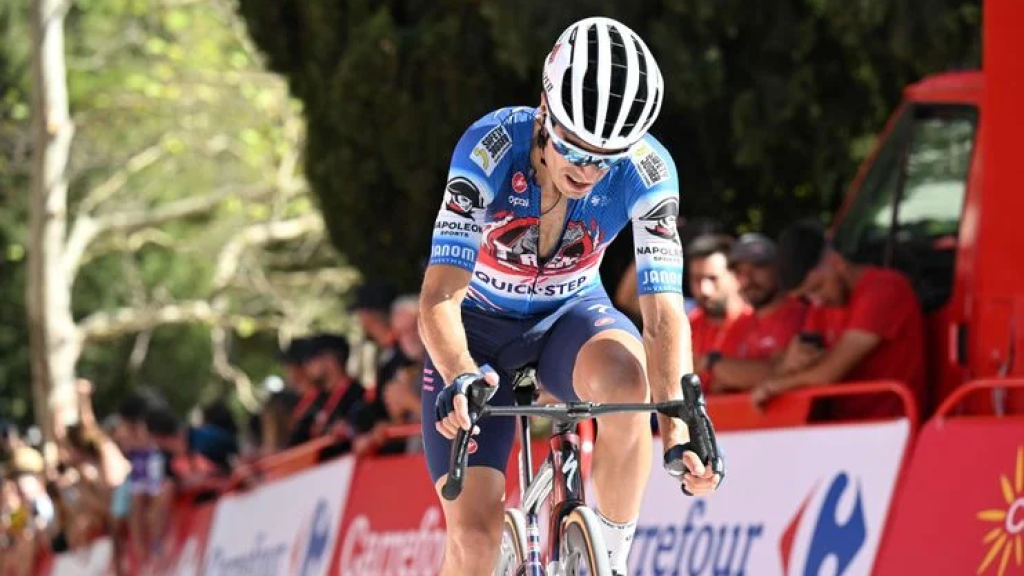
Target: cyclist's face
[(571, 180)]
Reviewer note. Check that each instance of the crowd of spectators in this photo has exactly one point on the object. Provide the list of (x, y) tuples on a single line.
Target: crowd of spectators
[(120, 477), (770, 316)]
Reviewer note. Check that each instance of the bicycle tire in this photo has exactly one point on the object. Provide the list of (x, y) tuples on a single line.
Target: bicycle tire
[(512, 553), (583, 539)]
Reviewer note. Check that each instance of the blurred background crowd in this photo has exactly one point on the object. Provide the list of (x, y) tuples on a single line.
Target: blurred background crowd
[(119, 475)]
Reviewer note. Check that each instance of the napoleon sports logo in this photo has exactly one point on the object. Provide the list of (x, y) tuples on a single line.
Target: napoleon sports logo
[(1007, 537), (831, 539)]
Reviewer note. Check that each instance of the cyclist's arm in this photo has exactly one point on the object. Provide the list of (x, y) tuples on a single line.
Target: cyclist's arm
[(669, 355), (653, 208), (478, 160), (440, 320)]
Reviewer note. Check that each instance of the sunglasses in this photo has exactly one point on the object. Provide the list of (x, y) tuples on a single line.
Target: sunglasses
[(576, 155)]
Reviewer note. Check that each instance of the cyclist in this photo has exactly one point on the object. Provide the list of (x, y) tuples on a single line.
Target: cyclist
[(534, 196)]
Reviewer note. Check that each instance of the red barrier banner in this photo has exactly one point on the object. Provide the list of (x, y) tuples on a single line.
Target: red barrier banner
[(185, 543), (961, 506), (393, 524)]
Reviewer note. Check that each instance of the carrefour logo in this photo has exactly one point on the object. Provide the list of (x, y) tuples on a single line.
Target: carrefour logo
[(311, 552), (828, 541), (1005, 537), (698, 545)]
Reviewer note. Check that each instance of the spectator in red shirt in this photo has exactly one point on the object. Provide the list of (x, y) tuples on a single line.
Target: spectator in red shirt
[(720, 308), (763, 336), (878, 335)]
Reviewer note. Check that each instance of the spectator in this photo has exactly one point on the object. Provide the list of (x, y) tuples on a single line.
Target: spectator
[(372, 307), (17, 536), (626, 297), (720, 307), (776, 320), (344, 395), (150, 489), (196, 452), (867, 319), (405, 326), (401, 401), (275, 420), (296, 358)]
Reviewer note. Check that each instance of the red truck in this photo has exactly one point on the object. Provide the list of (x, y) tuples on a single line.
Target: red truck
[(932, 202)]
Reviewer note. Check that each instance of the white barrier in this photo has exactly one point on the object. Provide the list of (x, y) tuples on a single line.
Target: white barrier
[(795, 501), (287, 527)]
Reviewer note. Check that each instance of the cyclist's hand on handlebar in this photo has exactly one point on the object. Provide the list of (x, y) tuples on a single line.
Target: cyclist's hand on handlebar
[(697, 478), (700, 479), (452, 406)]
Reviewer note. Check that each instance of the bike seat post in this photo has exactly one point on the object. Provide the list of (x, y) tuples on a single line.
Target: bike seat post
[(524, 388)]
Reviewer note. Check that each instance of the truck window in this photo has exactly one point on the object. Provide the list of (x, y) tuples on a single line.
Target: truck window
[(907, 212)]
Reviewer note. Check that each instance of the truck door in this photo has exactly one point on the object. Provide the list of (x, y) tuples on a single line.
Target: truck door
[(904, 212)]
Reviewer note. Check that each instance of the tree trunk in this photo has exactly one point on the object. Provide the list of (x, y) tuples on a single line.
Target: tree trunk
[(53, 337)]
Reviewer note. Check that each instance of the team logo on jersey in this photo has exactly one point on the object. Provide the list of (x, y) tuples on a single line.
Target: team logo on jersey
[(513, 245), (491, 149), (661, 220), (649, 164), (518, 183), (463, 197)]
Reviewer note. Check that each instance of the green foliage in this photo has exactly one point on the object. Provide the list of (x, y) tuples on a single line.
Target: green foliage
[(769, 105), (169, 103)]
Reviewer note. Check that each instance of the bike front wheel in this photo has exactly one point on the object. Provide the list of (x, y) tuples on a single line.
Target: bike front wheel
[(583, 551), (512, 554)]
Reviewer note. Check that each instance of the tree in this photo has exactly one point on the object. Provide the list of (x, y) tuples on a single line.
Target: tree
[(51, 327), (181, 201)]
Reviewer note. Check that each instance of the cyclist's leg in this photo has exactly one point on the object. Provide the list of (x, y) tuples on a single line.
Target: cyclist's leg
[(474, 519), (595, 353)]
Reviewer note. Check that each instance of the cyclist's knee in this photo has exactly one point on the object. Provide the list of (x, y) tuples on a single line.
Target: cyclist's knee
[(609, 369)]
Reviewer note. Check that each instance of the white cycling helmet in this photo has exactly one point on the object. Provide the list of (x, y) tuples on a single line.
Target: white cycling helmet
[(602, 83)]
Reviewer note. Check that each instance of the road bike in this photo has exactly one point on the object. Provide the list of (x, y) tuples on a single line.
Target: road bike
[(575, 543)]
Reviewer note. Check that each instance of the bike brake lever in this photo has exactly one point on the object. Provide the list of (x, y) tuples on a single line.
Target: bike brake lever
[(703, 442), (477, 395)]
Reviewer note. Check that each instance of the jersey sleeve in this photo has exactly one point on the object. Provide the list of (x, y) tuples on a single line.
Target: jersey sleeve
[(653, 209), (476, 164)]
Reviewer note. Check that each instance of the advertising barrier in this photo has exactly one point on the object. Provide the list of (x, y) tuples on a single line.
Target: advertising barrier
[(963, 510), (186, 543), (289, 526), (808, 500), (393, 522), (795, 502)]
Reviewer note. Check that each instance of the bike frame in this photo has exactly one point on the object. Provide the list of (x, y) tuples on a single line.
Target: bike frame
[(561, 475)]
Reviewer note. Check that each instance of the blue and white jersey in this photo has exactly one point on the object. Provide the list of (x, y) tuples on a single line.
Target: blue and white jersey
[(489, 221)]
